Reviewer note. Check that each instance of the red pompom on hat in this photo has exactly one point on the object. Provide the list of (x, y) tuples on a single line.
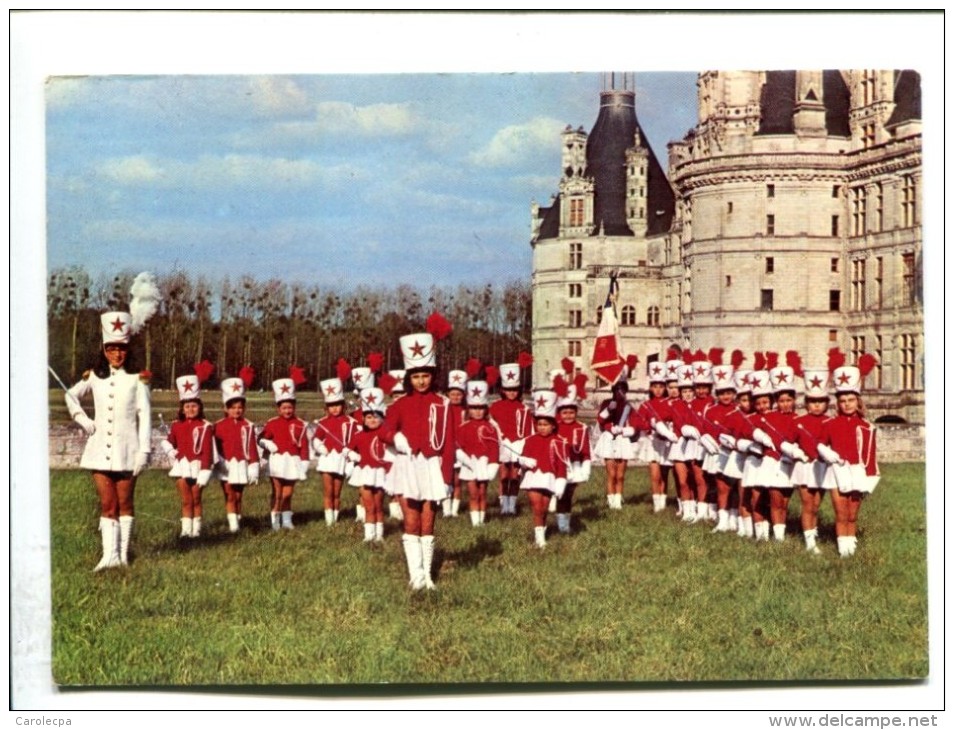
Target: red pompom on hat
[(561, 387), (342, 369), (715, 355), (631, 362), (438, 326), (297, 375), (386, 382), (771, 360), (580, 382), (472, 368), (794, 361), (247, 374), (375, 361), (204, 370), (524, 359), (866, 363), (836, 358), (758, 362), (568, 366), (491, 375), (738, 357)]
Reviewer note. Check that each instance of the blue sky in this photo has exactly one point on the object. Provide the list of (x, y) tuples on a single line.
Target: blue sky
[(339, 179)]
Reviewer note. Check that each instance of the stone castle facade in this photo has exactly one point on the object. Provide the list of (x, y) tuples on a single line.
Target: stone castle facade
[(790, 218)]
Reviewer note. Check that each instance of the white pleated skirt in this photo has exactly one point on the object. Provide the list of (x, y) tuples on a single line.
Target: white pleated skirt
[(809, 474), (368, 476), (287, 466), (334, 462), (185, 469), (543, 480), (767, 472), (417, 477), (609, 446), (849, 478), (483, 471), (235, 471)]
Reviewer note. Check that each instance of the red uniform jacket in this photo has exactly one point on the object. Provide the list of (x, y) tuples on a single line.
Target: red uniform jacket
[(370, 448), (235, 439), (289, 434), (715, 419), (513, 417), (654, 410), (699, 407), (479, 438), (192, 438), (633, 418), (811, 431), (854, 440), (336, 431), (550, 453), (577, 436), (426, 421), (779, 427)]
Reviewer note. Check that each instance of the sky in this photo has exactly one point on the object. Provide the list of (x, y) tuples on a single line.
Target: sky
[(336, 180)]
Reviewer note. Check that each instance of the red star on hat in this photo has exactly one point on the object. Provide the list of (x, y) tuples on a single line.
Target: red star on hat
[(117, 325), (755, 382), (721, 374), (417, 348), (672, 369), (371, 399), (330, 390), (187, 386), (236, 387), (843, 379), (700, 370), (656, 370), (511, 375), (816, 382), (541, 401), (475, 392), (746, 380), (687, 373), (782, 378), (457, 377), (285, 388)]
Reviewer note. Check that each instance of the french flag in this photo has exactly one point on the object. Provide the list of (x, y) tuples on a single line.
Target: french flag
[(607, 361)]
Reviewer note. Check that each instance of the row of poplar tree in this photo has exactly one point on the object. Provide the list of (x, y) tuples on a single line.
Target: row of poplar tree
[(272, 325)]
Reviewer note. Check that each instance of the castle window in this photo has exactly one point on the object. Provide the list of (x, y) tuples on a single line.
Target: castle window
[(652, 316), (770, 225), (858, 267), (868, 137), (728, 280), (879, 355), (833, 335), (879, 279), (879, 208), (576, 212), (576, 291), (834, 191), (834, 225), (769, 264), (628, 315), (728, 207), (768, 300), (859, 205), (907, 346), (574, 348), (908, 201), (834, 300), (576, 318), (834, 265), (576, 255), (868, 87), (857, 347), (770, 191), (907, 279)]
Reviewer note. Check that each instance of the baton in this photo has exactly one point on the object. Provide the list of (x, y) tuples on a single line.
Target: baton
[(63, 385)]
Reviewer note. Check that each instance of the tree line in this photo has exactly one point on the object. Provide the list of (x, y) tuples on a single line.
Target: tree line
[(272, 325)]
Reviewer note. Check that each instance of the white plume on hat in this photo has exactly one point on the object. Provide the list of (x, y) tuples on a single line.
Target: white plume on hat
[(145, 300)]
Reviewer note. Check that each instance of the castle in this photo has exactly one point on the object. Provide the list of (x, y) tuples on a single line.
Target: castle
[(790, 219)]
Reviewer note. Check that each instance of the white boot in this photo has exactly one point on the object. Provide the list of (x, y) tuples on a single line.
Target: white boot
[(414, 556), (540, 536), (762, 530), (483, 517), (233, 522), (723, 524), (844, 546), (689, 510), (359, 514), (678, 507), (659, 503), (733, 520), (125, 535), (552, 506), (196, 526), (378, 531), (446, 507), (427, 559), (810, 541), (512, 504), (329, 517), (186, 530), (276, 520), (474, 518), (394, 511), (610, 502), (563, 522), (368, 532), (287, 520), (334, 516), (779, 532), (852, 545), (108, 529), (455, 507)]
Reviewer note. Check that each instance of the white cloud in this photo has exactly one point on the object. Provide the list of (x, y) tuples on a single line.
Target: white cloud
[(276, 96), (130, 170), (371, 120), (514, 144)]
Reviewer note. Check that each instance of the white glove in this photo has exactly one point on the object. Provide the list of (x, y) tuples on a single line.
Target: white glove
[(204, 476), (788, 449), (627, 431), (270, 446), (743, 444), (353, 456), (464, 459), (253, 472), (170, 451), (604, 414), (583, 473), (142, 458), (690, 432), (400, 443), (303, 470), (559, 486), (85, 422), (727, 441), (828, 454), (662, 428), (764, 439), (616, 430), (349, 469), (800, 454), (709, 443), (320, 447), (528, 462), (756, 448)]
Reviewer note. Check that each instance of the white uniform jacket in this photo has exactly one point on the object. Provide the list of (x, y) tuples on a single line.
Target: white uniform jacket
[(123, 419)]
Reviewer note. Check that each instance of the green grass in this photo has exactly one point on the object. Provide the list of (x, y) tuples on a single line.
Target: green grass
[(630, 596)]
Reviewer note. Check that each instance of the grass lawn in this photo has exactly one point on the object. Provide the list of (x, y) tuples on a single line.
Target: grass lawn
[(629, 597)]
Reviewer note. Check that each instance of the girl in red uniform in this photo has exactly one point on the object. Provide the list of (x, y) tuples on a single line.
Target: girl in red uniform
[(717, 418), (330, 441), (236, 447), (851, 454), (545, 456), (361, 378), (754, 478), (683, 453), (478, 450), (779, 426), (705, 447), (619, 424), (371, 459), (734, 440), (577, 437), (514, 421), (285, 437), (657, 413), (456, 389), (189, 448), (809, 472), (421, 429)]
